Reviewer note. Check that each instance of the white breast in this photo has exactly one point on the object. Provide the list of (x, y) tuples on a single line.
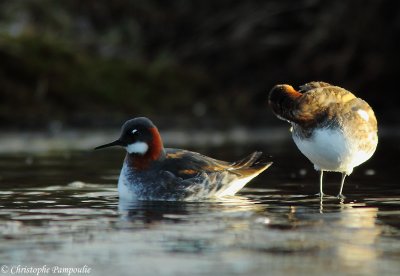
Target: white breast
[(125, 189), (332, 150)]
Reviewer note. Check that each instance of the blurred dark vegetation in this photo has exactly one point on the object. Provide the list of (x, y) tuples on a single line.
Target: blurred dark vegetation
[(97, 62)]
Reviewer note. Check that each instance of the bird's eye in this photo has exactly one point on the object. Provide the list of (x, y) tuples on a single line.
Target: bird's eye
[(134, 131)]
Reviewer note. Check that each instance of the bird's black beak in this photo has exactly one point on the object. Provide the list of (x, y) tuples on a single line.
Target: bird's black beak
[(115, 143)]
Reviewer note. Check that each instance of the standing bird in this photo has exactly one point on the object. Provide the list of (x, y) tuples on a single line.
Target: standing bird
[(152, 172), (333, 128)]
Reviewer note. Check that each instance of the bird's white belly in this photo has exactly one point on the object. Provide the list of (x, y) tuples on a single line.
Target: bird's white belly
[(234, 187), (332, 150), (124, 190)]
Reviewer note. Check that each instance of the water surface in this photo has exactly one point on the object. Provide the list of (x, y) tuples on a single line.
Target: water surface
[(62, 209)]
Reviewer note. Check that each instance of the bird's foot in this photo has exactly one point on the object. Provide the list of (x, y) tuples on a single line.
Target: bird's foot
[(324, 195), (321, 195), (340, 196)]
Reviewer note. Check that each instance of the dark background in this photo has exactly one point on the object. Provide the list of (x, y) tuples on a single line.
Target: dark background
[(191, 63)]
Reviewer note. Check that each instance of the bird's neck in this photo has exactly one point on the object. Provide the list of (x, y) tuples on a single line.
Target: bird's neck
[(155, 152)]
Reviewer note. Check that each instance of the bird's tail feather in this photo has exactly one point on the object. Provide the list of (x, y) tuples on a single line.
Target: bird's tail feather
[(254, 163)]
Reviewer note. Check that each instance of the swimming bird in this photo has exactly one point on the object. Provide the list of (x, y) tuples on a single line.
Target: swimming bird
[(333, 128), (152, 172)]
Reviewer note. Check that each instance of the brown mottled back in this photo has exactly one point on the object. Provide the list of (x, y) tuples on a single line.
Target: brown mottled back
[(319, 104)]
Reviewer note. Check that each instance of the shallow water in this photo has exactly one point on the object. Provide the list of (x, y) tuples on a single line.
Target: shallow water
[(62, 209)]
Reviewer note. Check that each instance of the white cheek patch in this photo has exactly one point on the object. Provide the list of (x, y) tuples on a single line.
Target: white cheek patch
[(138, 148)]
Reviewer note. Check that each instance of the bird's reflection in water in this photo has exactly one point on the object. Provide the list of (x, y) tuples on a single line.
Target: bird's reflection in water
[(357, 237), (190, 227), (353, 233), (179, 211)]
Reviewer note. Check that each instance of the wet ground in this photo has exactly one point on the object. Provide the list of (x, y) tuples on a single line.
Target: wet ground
[(61, 209)]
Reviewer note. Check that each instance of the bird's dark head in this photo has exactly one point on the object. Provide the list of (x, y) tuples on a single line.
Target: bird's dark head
[(282, 99), (140, 137)]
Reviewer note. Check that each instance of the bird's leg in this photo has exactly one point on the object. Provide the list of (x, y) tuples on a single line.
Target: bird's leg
[(340, 195), (321, 205), (321, 177)]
